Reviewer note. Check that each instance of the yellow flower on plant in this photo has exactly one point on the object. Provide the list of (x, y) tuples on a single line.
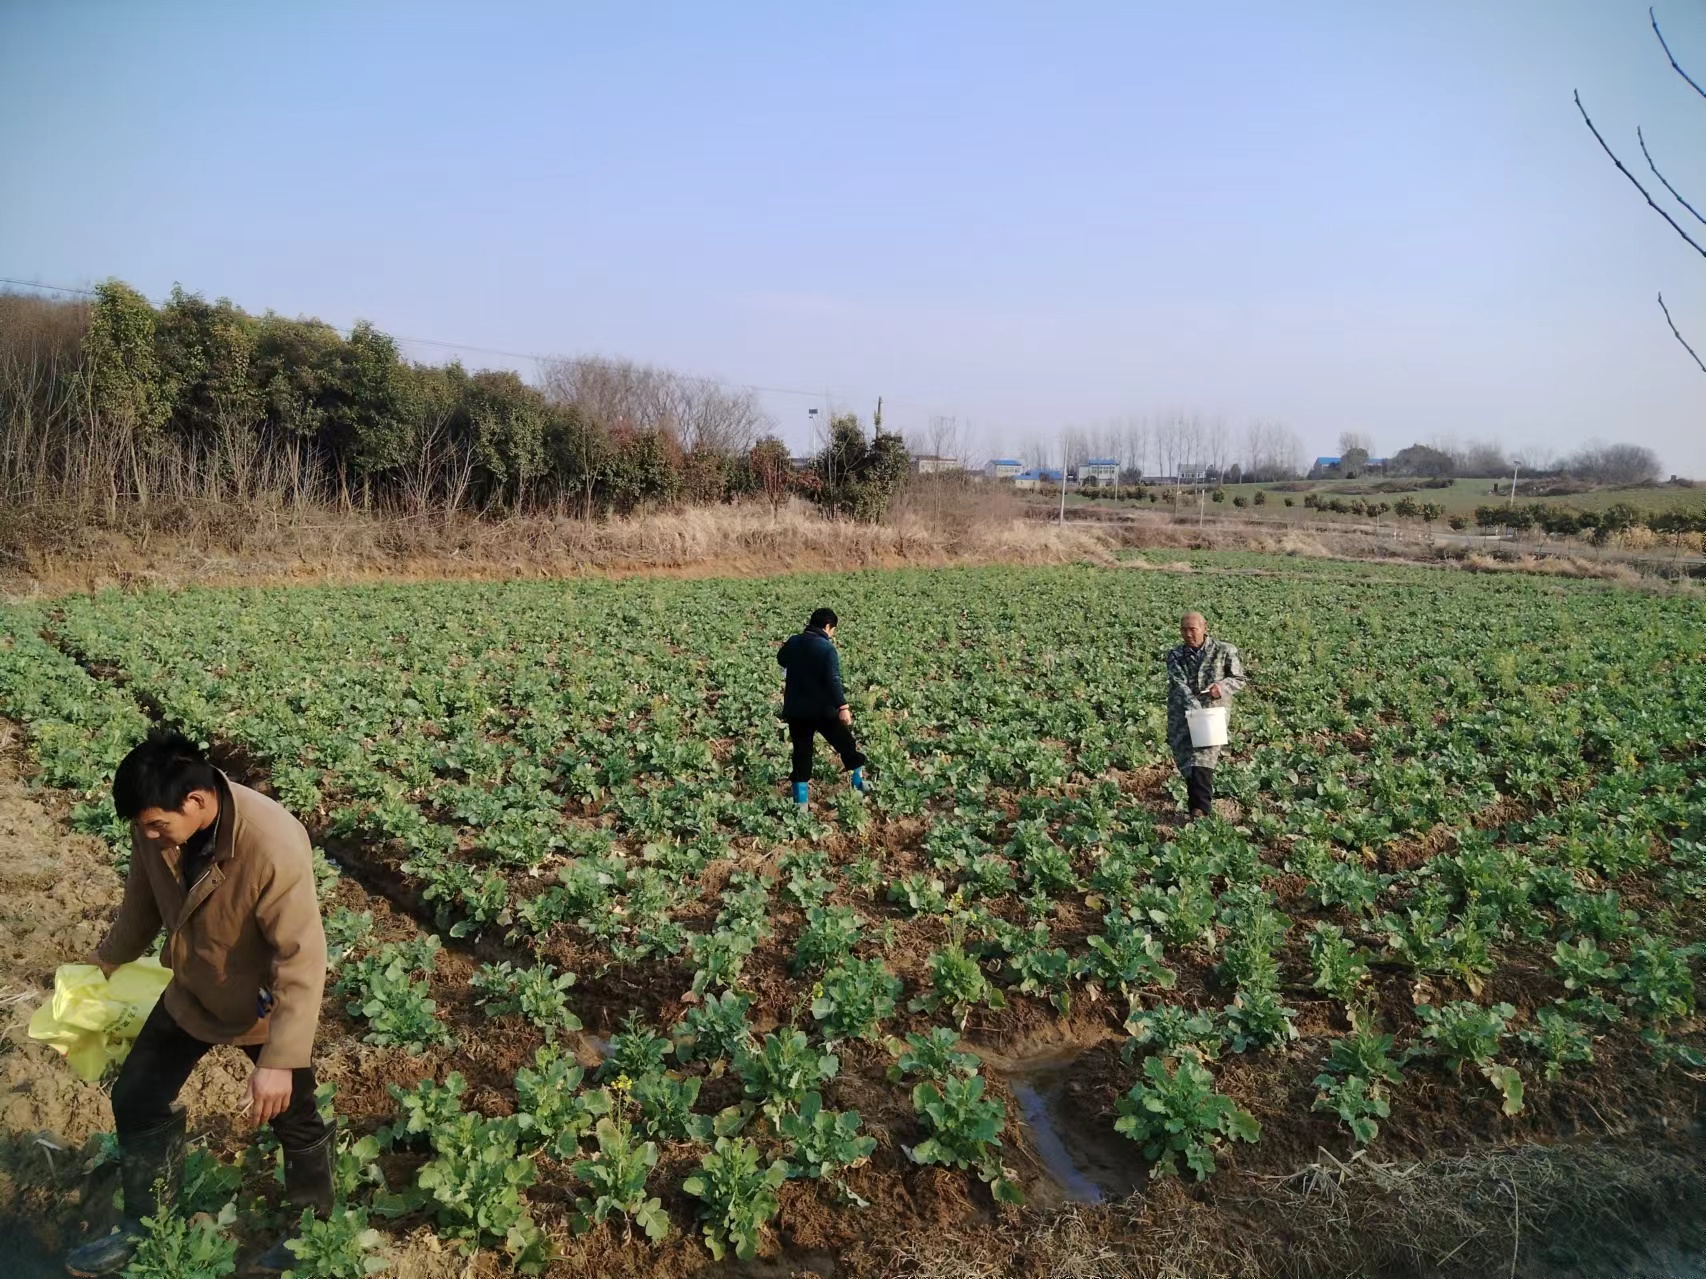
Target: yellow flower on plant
[(621, 1083)]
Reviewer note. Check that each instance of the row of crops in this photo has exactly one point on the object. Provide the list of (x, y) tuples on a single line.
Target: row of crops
[(1461, 876)]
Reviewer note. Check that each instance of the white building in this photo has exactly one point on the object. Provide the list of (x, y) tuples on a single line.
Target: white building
[(933, 464), (1003, 468), (1104, 470)]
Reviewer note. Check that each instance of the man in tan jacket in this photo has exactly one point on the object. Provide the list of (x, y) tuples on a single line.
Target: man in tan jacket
[(228, 873)]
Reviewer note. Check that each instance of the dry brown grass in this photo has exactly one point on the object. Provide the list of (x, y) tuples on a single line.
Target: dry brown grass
[(1528, 1210), (217, 544), (47, 549)]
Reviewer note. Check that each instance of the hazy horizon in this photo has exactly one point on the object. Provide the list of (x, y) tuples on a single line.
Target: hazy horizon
[(1386, 219)]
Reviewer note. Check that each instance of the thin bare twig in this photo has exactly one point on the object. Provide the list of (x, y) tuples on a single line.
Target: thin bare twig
[(1661, 35), (1679, 337), (1516, 1225), (1656, 207), (1661, 177)]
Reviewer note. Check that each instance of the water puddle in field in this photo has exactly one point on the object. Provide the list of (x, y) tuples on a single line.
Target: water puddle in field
[(1034, 1114), (1084, 1163)]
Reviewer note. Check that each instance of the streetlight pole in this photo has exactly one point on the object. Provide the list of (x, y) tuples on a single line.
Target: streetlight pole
[(1515, 466)]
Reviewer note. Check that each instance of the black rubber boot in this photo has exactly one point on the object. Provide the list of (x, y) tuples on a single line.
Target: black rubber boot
[(307, 1184), (151, 1170)]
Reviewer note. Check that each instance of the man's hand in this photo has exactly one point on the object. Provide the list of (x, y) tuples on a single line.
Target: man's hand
[(107, 970), (845, 715), (269, 1094), (1213, 693)]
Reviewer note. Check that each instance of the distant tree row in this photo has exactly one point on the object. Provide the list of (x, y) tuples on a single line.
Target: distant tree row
[(116, 401), (1610, 464)]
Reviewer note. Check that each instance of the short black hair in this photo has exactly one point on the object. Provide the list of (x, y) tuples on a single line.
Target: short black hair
[(824, 617), (160, 773)]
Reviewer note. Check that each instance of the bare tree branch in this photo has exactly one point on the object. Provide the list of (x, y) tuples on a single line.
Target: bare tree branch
[(1679, 337), (1656, 207), (1677, 195), (1661, 35)]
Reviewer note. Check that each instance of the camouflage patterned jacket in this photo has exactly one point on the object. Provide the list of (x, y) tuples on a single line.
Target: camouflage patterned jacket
[(1189, 677)]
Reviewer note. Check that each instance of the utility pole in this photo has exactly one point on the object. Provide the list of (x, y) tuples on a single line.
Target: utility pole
[(1063, 486), (1515, 466)]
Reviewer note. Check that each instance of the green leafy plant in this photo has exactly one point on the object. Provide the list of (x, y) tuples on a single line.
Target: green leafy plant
[(1175, 1113), (634, 1051), (1359, 1068), (1126, 957), (539, 994), (555, 1110), (175, 1247), (339, 1246), (823, 1143), (738, 1195), (666, 1108), (719, 957), (1365, 1052), (425, 1107), (1466, 1034), (783, 1069), (475, 1185), (920, 894), (1659, 981), (828, 938), (209, 1183), (714, 1029), (1585, 966), (615, 1179), (957, 984), (1171, 1030), (397, 1008), (1257, 1019), (931, 1056), (964, 1131), (1560, 1040), (1183, 912), (1037, 968), (346, 932), (1356, 1101), (1341, 968), (854, 999)]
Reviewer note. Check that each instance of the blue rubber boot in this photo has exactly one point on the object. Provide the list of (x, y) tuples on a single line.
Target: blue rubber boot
[(859, 780), (802, 792)]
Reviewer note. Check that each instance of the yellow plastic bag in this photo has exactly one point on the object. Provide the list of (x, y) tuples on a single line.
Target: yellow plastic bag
[(92, 1019)]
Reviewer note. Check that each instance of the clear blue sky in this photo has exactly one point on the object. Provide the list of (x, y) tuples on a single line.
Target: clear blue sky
[(1344, 215)]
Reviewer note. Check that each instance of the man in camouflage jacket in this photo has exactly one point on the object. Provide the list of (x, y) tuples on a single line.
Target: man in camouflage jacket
[(1200, 672)]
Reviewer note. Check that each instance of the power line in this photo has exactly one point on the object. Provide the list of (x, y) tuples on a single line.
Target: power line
[(538, 360)]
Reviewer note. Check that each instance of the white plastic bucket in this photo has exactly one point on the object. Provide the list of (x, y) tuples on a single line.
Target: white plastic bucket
[(1207, 725)]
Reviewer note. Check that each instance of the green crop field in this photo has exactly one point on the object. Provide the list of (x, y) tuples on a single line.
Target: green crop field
[(1461, 497), (615, 999)]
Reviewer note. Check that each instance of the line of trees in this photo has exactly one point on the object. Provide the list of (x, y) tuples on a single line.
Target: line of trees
[(114, 401), (1162, 444)]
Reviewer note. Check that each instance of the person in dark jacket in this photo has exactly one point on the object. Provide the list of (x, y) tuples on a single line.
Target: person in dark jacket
[(814, 702)]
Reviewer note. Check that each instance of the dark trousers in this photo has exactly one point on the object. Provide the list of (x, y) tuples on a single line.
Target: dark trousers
[(1199, 789), (159, 1065), (834, 732)]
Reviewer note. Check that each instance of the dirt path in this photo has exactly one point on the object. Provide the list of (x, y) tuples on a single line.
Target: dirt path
[(56, 893)]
